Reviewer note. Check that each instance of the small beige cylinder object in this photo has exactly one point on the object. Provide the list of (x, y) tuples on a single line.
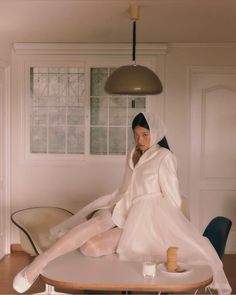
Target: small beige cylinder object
[(171, 263), (134, 12)]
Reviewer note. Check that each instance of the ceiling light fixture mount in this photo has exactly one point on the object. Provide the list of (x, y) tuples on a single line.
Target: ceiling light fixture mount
[(133, 79)]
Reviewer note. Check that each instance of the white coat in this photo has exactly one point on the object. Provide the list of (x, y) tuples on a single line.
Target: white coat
[(147, 208)]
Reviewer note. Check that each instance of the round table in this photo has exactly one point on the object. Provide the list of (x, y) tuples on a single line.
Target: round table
[(75, 271)]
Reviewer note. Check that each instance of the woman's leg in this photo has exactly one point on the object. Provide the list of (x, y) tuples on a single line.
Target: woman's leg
[(102, 244), (72, 240)]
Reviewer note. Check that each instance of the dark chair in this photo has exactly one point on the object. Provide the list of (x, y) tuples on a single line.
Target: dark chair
[(217, 232), (34, 225)]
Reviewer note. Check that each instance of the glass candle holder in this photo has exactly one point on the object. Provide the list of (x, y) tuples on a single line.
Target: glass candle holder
[(149, 269)]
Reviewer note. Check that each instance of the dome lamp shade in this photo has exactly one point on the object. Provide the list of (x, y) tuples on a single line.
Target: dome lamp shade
[(133, 79)]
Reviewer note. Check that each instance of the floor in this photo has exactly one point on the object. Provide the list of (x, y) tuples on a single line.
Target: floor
[(15, 261)]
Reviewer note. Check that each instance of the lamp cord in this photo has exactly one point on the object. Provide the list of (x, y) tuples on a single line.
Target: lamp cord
[(134, 57), (134, 42)]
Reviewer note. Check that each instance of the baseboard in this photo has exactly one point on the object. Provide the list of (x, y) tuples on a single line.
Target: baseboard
[(233, 252), (16, 248)]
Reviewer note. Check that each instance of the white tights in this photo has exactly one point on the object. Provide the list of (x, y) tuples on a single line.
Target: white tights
[(95, 237)]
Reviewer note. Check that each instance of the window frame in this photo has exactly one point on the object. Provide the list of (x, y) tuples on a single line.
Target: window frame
[(29, 106), (25, 56)]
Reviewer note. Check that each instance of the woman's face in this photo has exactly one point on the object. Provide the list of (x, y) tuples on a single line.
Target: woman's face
[(142, 138)]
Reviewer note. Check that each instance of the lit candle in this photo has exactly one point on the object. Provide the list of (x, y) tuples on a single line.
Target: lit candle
[(149, 269)]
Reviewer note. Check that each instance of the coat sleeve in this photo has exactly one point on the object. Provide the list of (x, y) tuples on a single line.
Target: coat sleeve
[(168, 179)]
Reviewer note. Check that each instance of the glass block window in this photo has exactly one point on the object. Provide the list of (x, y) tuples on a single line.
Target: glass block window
[(57, 110), (110, 117)]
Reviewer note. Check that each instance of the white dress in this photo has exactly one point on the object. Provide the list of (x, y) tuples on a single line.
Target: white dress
[(147, 207), (152, 221)]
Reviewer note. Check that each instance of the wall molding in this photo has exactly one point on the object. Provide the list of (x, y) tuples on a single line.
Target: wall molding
[(89, 48), (202, 45)]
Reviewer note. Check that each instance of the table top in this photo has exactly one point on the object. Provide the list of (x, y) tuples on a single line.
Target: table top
[(78, 272)]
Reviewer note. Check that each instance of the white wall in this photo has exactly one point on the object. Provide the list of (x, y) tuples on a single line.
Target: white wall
[(70, 185), (5, 52)]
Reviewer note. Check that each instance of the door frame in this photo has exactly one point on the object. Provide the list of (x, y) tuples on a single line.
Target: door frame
[(5, 134), (198, 181)]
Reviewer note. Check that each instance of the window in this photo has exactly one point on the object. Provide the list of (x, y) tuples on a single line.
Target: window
[(57, 113), (57, 110), (61, 110)]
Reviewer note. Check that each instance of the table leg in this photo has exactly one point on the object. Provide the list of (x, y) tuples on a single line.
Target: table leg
[(50, 290)]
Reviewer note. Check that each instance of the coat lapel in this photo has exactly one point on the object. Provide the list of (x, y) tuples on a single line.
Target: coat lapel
[(147, 156)]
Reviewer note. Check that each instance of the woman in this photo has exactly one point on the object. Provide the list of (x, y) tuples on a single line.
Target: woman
[(142, 218)]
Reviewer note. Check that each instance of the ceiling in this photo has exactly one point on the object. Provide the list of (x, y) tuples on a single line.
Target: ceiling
[(102, 21)]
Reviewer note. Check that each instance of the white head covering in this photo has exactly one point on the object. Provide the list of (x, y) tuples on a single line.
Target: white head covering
[(156, 127)]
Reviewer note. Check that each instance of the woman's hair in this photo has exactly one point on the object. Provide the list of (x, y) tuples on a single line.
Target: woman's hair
[(164, 143), (140, 120)]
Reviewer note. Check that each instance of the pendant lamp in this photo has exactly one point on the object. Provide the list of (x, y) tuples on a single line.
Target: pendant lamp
[(133, 79)]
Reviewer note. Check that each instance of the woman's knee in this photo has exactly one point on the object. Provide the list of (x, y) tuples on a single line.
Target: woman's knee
[(104, 221), (102, 244), (92, 248)]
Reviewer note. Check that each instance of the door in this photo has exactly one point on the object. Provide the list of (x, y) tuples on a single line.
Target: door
[(4, 161), (213, 147)]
